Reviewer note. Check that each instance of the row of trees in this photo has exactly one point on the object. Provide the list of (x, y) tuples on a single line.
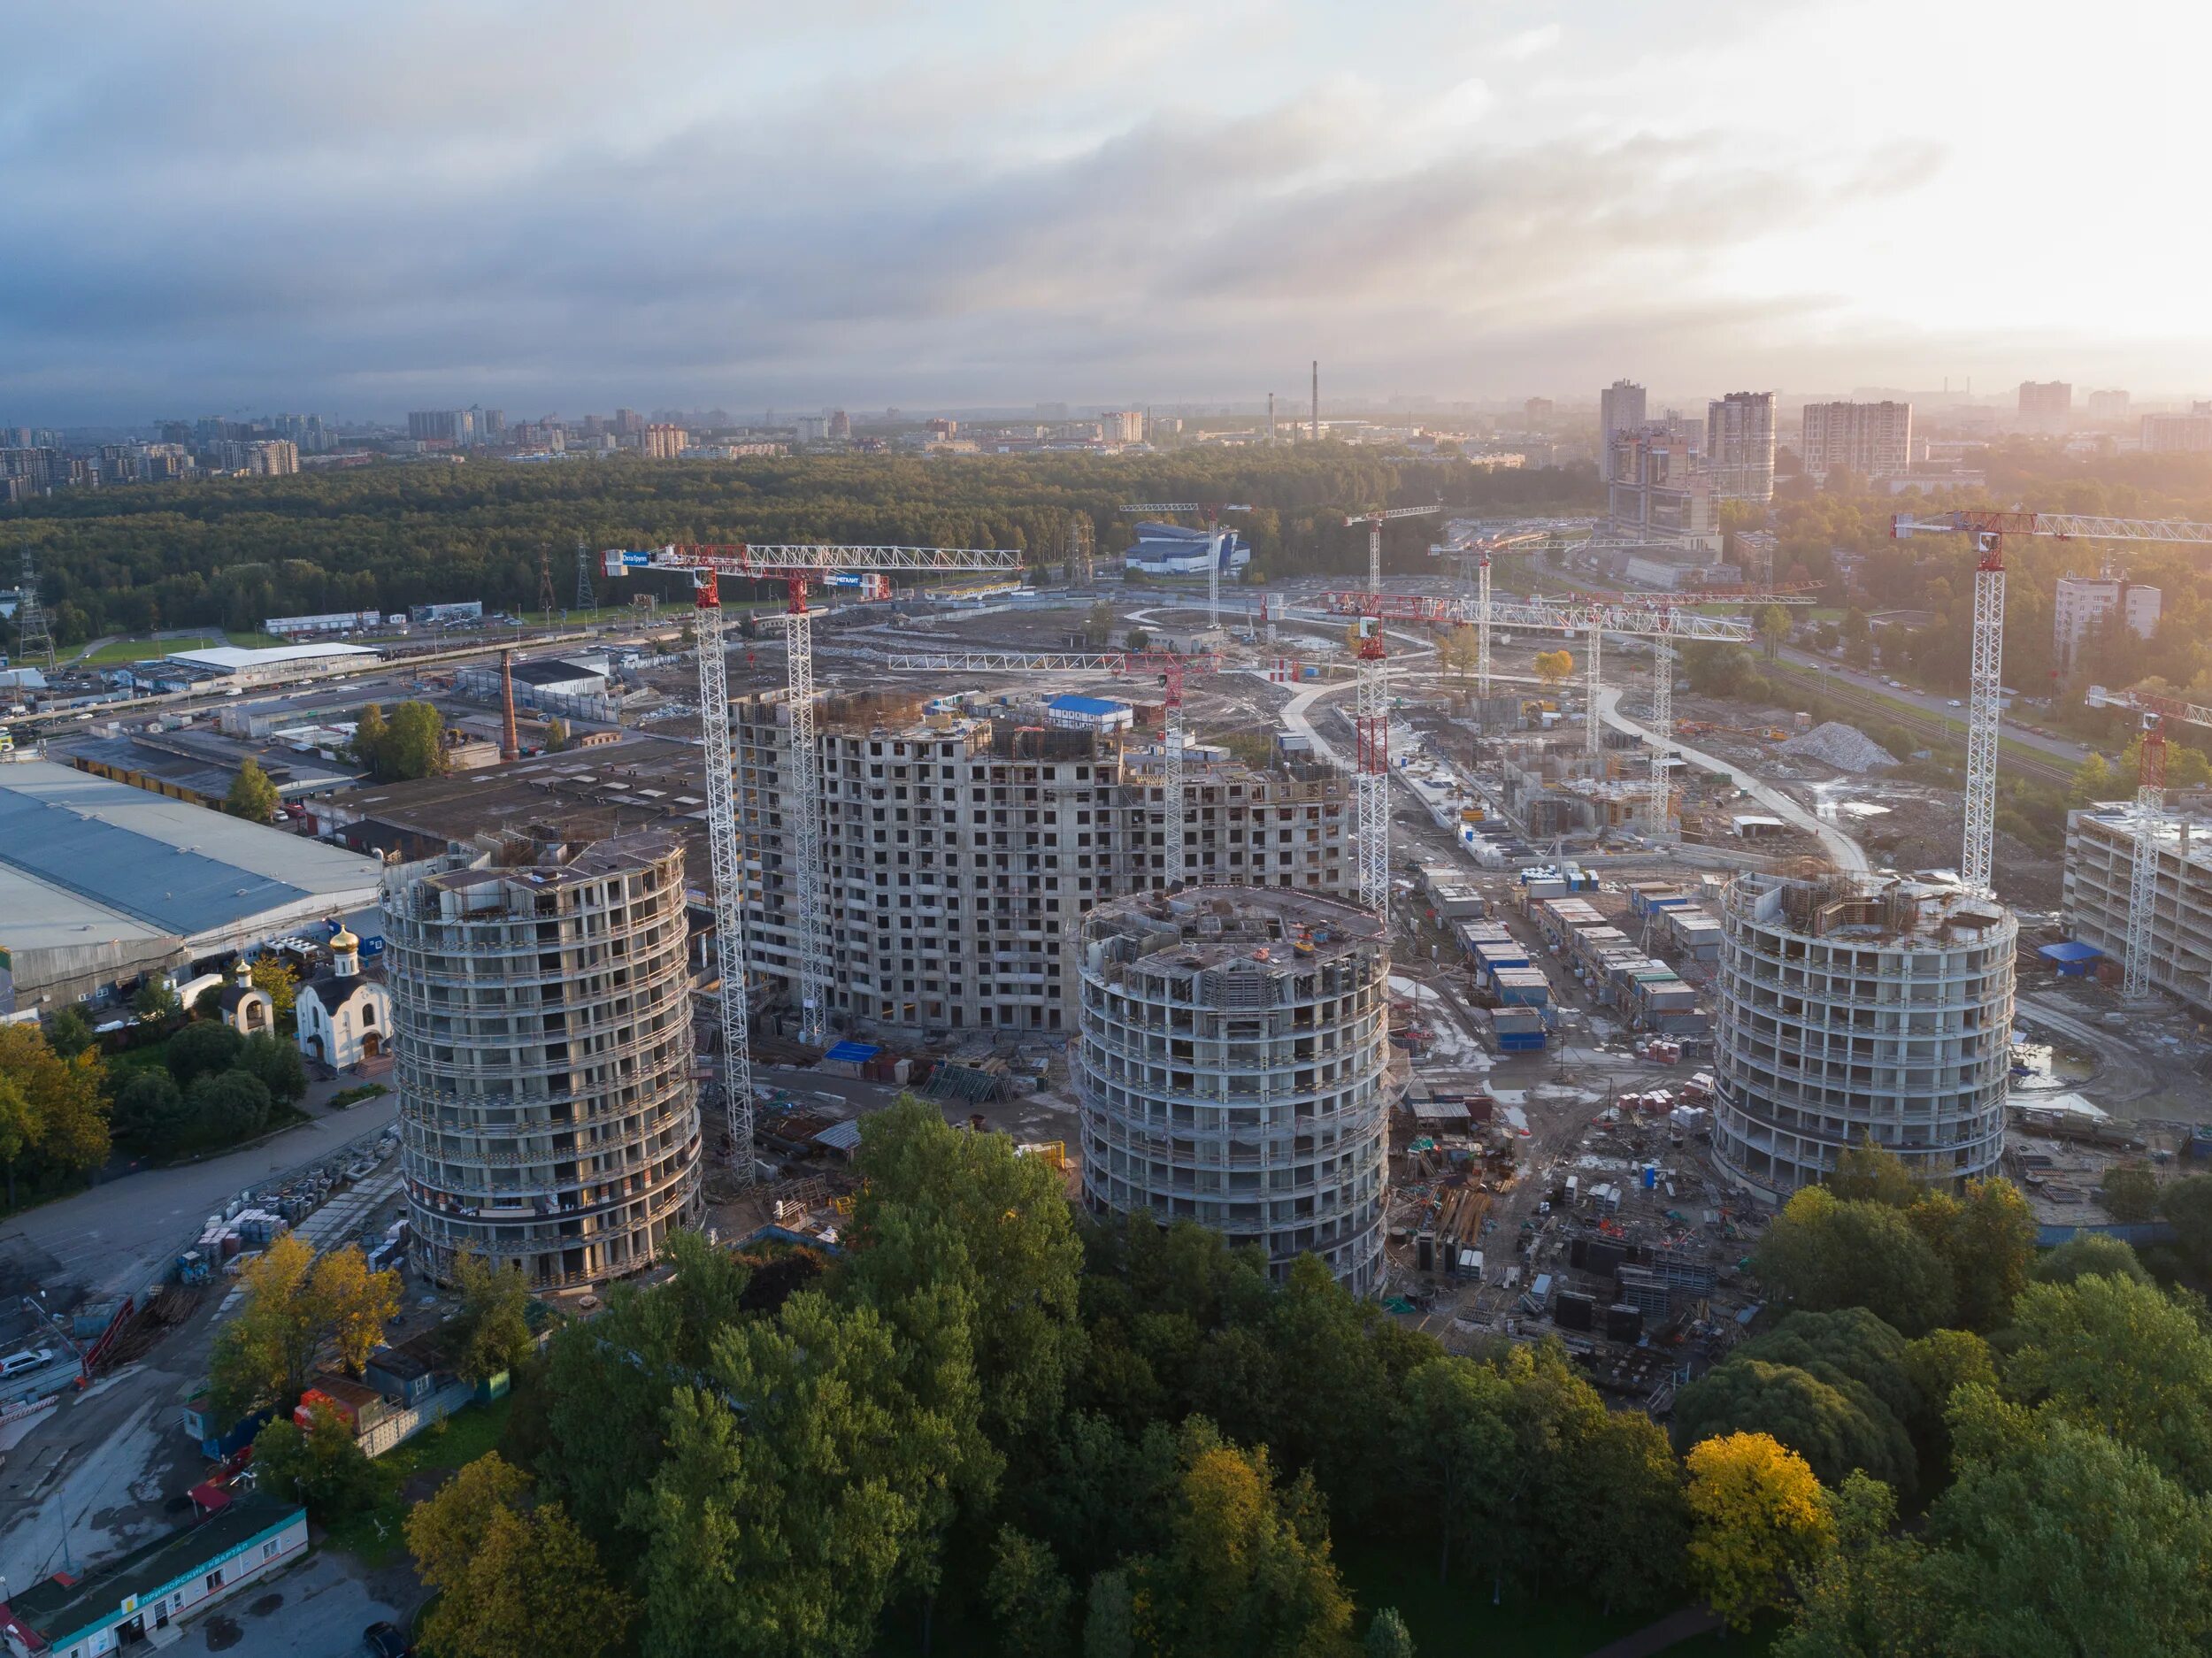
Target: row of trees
[(230, 553)]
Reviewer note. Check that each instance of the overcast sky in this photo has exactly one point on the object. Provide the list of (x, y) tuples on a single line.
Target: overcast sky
[(555, 208)]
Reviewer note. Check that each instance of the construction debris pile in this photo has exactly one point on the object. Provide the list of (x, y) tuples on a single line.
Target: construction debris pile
[(1845, 747)]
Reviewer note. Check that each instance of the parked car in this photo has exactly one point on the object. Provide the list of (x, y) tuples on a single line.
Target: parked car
[(1956, 704), (30, 1359), (384, 1641)]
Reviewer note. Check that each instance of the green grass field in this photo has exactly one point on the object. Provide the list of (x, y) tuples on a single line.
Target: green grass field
[(128, 650), (375, 1534)]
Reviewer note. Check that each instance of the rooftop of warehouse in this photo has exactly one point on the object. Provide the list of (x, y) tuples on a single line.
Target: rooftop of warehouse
[(231, 659), (81, 857)]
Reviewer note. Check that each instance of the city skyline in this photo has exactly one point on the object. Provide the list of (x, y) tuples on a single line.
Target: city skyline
[(557, 209)]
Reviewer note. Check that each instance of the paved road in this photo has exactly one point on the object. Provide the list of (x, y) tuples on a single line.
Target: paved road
[(1840, 846), (120, 1235)]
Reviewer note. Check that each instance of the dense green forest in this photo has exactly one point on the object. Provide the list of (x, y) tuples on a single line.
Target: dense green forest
[(228, 553)]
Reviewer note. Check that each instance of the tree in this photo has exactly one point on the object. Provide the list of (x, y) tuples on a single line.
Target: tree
[(1247, 1568), (1029, 1597), (2129, 1193), (274, 975), (19, 1128), (295, 1306), (608, 1382), (1986, 1239), (228, 1105), (513, 1579), (149, 1110), (1823, 1254), (370, 735), (1554, 667), (2123, 1357), (941, 1205), (252, 796), (1457, 1442), (2187, 1203), (321, 1465), (2092, 781), (1761, 1523), (495, 1316), (69, 1033), (1874, 1595), (1774, 628), (1387, 1636), (1110, 1618), (1858, 639), (63, 1119), (2086, 1253), (1098, 624), (1870, 1172), (556, 735), (276, 1063), (2060, 1541), (156, 999), (202, 1048), (803, 1484), (1835, 1425)]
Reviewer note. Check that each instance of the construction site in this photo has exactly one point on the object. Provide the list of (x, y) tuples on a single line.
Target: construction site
[(1441, 931)]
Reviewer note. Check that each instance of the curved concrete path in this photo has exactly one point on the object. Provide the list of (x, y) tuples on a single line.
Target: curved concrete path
[(1848, 853)]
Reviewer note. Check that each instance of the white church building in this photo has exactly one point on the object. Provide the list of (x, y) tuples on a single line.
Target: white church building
[(343, 1018)]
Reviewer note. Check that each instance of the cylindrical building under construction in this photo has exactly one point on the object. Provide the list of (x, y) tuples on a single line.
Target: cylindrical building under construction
[(542, 1016), (1230, 1069), (1852, 1006)]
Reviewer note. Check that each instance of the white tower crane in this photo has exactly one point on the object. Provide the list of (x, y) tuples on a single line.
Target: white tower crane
[(1170, 666), (1374, 521), (799, 567), (1217, 550), (1371, 728), (1986, 694)]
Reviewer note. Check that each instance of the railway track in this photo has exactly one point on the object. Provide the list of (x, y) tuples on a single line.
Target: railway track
[(1936, 730)]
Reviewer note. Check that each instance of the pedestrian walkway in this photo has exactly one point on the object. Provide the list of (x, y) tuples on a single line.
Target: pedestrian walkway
[(1670, 1630)]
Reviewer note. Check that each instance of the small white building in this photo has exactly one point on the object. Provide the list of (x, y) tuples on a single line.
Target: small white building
[(1089, 713), (246, 1009), (343, 1017)]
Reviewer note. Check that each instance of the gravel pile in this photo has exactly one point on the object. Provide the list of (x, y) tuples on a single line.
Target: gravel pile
[(1845, 747)]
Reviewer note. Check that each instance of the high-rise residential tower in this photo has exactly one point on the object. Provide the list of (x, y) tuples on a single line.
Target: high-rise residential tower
[(1740, 446)]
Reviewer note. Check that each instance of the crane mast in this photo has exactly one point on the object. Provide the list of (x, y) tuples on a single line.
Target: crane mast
[(2150, 805), (1210, 512), (1371, 728), (799, 565), (729, 872), (1374, 521)]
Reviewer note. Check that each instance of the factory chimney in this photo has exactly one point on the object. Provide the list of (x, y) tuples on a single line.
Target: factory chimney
[(1271, 419), (1317, 400), (510, 745)]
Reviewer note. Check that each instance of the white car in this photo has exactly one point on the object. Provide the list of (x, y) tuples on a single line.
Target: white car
[(1956, 704), (30, 1359)]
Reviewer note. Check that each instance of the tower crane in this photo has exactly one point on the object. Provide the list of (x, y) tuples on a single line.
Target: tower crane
[(1655, 617), (2150, 804), (1985, 696), (1210, 514), (1374, 521), (799, 567), (1170, 666), (1483, 548)]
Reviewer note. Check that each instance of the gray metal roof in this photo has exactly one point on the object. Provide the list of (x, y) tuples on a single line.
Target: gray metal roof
[(124, 852)]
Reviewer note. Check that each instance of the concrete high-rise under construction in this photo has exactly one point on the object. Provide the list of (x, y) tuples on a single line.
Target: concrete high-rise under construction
[(1230, 1069), (958, 845), (1852, 1007), (541, 1017)]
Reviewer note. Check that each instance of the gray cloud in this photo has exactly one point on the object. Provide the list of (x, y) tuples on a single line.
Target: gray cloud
[(464, 204)]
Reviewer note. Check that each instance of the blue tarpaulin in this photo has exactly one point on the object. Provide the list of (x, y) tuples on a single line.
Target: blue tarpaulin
[(853, 1053), (2073, 958)]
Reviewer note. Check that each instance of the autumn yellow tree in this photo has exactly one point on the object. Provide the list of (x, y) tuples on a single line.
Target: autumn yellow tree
[(55, 1114), (1761, 1522), (516, 1578), (1554, 666), (297, 1305), (277, 978)]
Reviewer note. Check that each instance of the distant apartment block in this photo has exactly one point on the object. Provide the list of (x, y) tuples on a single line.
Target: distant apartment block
[(665, 442), (2046, 405), (2082, 603), (1740, 446), (840, 426), (810, 428), (1123, 426), (1536, 413), (1657, 491), (2179, 434), (273, 457), (1873, 440), (2108, 408), (1620, 409)]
